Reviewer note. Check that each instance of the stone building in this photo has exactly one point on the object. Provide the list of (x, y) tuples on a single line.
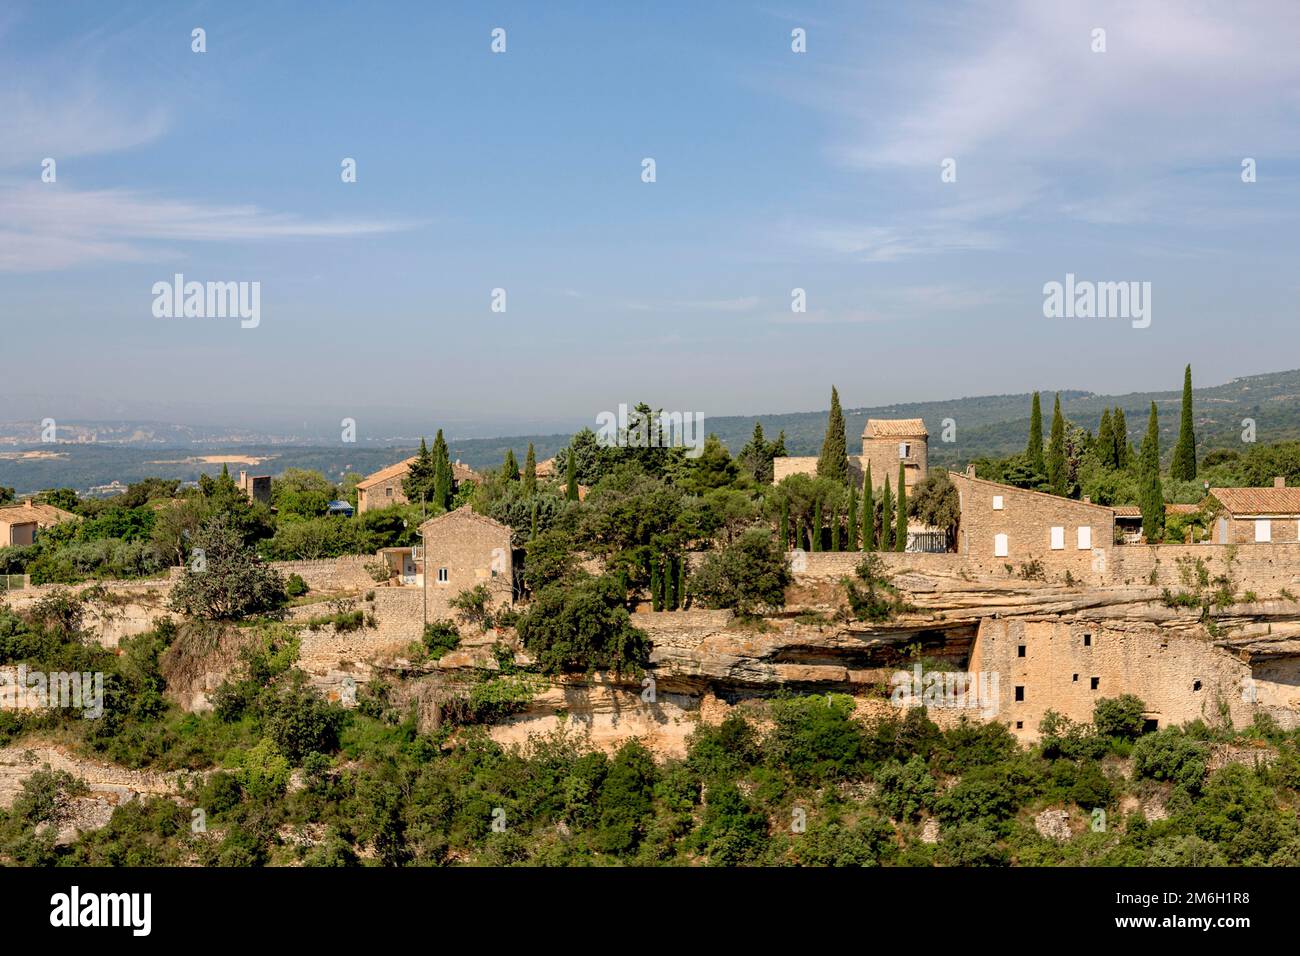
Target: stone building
[(255, 487), (1257, 515), (461, 549), (20, 523), (384, 487), (1067, 666), (1001, 524), (885, 443)]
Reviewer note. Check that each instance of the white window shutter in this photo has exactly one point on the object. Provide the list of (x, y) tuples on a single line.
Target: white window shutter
[(999, 546), (997, 502), (1058, 538), (1085, 537), (1263, 530)]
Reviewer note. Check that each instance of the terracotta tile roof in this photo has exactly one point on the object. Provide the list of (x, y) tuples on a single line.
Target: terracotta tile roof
[(383, 474), (1133, 511), (1259, 501), (464, 511), (458, 471), (42, 514), (894, 428)]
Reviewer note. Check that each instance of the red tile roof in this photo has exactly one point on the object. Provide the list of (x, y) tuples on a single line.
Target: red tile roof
[(1259, 501)]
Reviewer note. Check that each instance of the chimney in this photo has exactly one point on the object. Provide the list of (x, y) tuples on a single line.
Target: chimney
[(970, 471), (30, 502), (1087, 499), (243, 475), (1279, 481)]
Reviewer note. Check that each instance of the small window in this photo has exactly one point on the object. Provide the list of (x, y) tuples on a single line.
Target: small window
[(1196, 686), (904, 450), (388, 492), (997, 502), (1095, 682), (999, 546), (1020, 693), (1087, 640), (442, 576), (1085, 538), (1020, 651), (1020, 725), (1075, 680), (1058, 539), (1263, 530)]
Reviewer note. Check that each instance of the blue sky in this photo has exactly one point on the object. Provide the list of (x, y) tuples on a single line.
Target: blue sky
[(521, 170)]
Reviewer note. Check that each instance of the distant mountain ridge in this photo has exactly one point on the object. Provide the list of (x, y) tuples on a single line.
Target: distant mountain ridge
[(992, 425)]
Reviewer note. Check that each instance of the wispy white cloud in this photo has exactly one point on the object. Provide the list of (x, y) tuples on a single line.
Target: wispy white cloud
[(49, 226)]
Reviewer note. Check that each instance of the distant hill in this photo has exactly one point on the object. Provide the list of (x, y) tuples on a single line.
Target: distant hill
[(985, 425)]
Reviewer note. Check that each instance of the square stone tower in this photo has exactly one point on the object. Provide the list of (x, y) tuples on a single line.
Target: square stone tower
[(887, 441)]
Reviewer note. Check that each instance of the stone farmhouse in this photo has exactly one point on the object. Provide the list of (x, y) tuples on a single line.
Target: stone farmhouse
[(1001, 524), (20, 523), (384, 487), (1256, 515), (462, 549), (885, 443)]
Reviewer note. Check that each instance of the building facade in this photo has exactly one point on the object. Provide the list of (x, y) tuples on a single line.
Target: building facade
[(1004, 525), (384, 487), (1256, 515), (886, 443), (460, 550)]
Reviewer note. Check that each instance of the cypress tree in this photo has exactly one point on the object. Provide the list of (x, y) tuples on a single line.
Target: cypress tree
[(656, 584), (852, 543), (443, 480), (670, 583), (681, 582), (835, 529), (817, 526), (1056, 475), (1183, 467), (834, 460), (1105, 443), (1151, 492), (510, 467), (785, 523), (886, 514), (1121, 438), (868, 513), (530, 471), (1035, 450), (900, 525), (571, 484)]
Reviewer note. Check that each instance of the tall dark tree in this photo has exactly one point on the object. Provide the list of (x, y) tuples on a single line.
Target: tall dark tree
[(1056, 475), (1121, 438), (1034, 452), (900, 521), (571, 478), (851, 544), (817, 526), (785, 523), (1105, 443), (834, 460), (418, 485), (530, 471), (1183, 467), (835, 529), (1151, 496), (868, 513), (755, 458), (510, 467), (886, 518), (444, 481)]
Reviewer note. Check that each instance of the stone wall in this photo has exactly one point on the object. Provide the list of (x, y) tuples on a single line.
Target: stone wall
[(837, 564), (1266, 568), (345, 573)]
